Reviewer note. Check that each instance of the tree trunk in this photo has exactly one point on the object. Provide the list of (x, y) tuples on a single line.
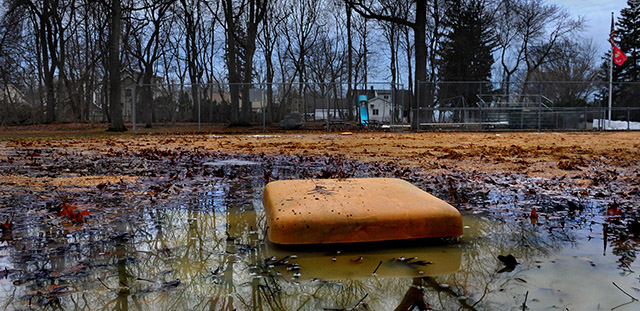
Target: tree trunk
[(249, 51), (48, 65), (366, 55), (117, 123), (232, 64), (147, 97), (419, 31), (191, 28), (270, 115), (350, 98)]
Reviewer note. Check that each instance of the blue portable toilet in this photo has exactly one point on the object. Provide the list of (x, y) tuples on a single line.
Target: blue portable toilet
[(364, 112)]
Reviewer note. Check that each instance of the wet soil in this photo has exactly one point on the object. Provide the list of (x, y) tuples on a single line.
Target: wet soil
[(84, 216)]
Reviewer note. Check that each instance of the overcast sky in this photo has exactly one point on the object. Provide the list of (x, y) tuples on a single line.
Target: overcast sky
[(598, 16)]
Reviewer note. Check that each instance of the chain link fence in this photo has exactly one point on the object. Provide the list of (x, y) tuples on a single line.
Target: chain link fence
[(456, 105), (526, 106), (327, 106)]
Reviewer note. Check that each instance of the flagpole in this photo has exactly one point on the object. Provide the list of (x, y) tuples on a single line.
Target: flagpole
[(611, 75)]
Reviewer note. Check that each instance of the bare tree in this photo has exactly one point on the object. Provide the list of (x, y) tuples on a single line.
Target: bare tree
[(49, 37), (11, 28), (146, 44), (508, 42), (578, 72), (381, 12), (241, 22), (528, 33), (192, 21), (302, 30), (268, 41), (350, 94), (544, 28), (81, 51), (115, 104), (391, 32)]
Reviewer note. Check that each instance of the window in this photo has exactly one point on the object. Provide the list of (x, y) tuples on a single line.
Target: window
[(386, 97), (375, 112)]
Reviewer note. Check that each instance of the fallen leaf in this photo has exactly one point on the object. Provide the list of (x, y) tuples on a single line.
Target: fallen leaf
[(68, 211), (7, 226), (534, 214)]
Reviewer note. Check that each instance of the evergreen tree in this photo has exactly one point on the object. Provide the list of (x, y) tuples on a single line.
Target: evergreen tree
[(602, 97), (627, 38), (466, 53)]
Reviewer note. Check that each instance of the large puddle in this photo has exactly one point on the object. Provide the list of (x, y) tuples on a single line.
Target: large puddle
[(207, 250)]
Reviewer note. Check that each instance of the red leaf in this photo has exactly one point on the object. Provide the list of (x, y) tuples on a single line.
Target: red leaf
[(78, 216), (534, 214), (6, 226), (67, 210)]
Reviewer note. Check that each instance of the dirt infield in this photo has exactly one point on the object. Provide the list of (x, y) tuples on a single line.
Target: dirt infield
[(543, 154), (95, 202)]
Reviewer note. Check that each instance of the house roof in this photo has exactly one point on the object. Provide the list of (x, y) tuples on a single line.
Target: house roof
[(399, 95)]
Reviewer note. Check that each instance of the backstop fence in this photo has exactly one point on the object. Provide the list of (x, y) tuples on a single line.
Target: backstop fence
[(433, 106)]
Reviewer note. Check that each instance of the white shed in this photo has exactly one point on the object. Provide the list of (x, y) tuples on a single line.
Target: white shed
[(380, 109)]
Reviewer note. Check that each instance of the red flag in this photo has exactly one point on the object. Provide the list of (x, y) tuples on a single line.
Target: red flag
[(618, 56)]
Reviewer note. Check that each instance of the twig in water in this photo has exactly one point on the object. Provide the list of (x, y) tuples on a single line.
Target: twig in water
[(374, 271), (105, 285), (359, 302), (282, 261), (627, 266), (524, 304), (618, 287)]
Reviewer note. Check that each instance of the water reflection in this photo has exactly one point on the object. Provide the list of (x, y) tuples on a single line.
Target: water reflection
[(334, 264), (207, 251)]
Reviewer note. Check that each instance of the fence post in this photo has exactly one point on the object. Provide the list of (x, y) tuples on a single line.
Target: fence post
[(133, 107), (416, 116), (199, 110), (393, 109), (539, 104), (326, 97), (628, 119), (585, 117)]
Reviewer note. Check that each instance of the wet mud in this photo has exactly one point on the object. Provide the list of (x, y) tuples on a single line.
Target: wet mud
[(183, 228)]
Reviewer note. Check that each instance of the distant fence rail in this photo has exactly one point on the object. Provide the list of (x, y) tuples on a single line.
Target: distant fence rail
[(454, 105), (527, 118)]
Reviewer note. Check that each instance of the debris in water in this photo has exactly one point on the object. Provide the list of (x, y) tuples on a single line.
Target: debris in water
[(509, 262)]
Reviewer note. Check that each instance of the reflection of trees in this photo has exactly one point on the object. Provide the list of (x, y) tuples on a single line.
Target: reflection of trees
[(622, 245), (216, 254), (413, 298), (478, 284), (212, 242)]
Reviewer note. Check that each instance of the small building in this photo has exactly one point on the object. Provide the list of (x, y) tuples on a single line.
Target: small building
[(382, 104), (334, 114), (380, 110)]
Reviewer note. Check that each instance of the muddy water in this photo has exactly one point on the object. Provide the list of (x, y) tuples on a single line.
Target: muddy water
[(207, 249)]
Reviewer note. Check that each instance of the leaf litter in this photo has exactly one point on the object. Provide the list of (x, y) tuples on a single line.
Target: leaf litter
[(128, 185)]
